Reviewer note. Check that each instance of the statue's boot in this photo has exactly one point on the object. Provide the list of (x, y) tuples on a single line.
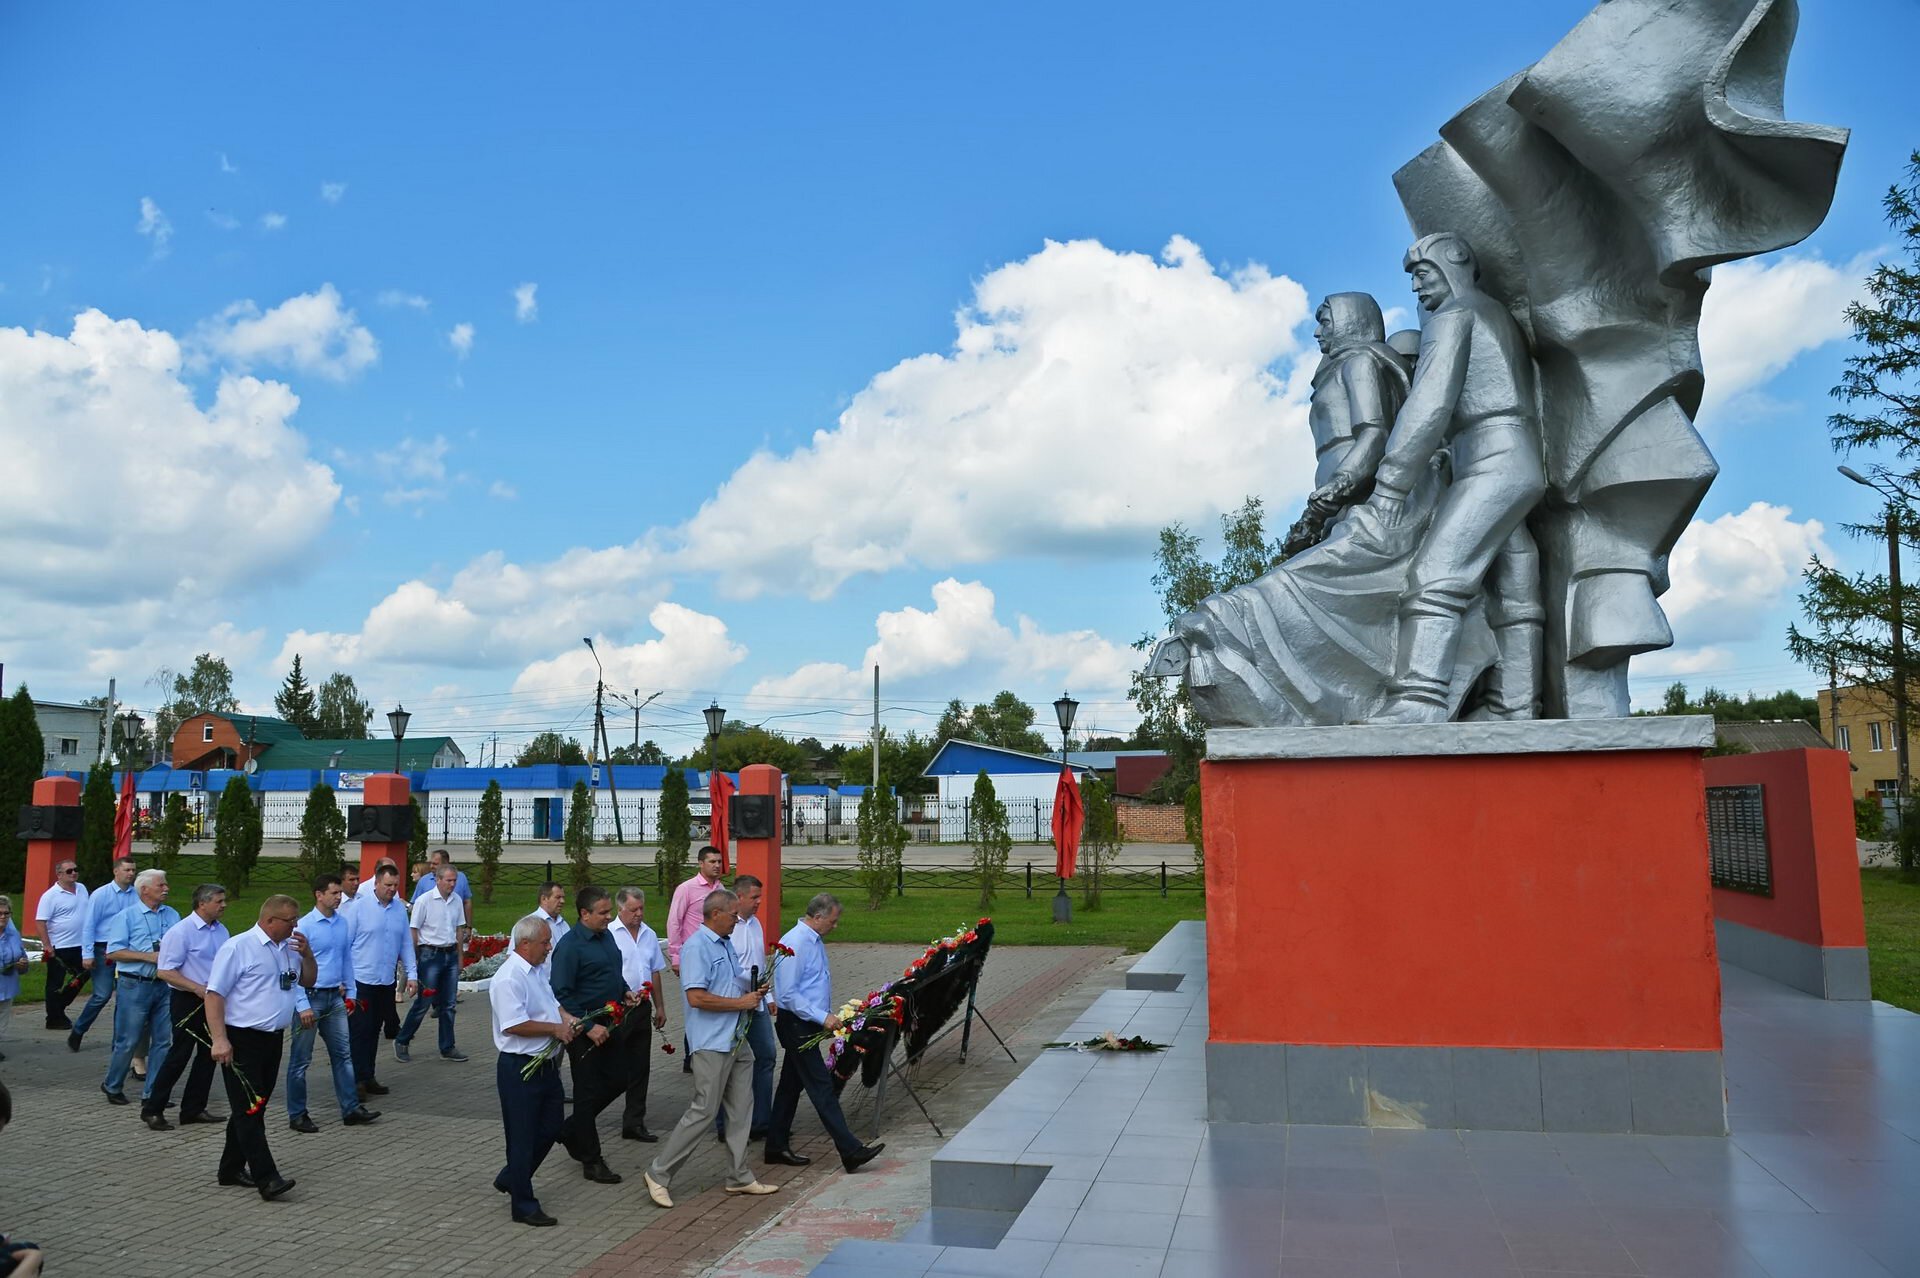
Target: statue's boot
[(1429, 642), (1511, 689)]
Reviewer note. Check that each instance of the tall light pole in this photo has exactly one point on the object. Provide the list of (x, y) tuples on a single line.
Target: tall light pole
[(601, 749), (716, 720), (1896, 606), (397, 721), (130, 724), (1064, 710)]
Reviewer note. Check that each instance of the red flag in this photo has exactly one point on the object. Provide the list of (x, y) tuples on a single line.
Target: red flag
[(1068, 815), (123, 817), (719, 791)]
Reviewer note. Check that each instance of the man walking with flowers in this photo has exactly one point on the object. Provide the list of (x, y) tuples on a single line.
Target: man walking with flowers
[(527, 1026), (641, 962), (249, 1005), (717, 996), (587, 979), (803, 991)]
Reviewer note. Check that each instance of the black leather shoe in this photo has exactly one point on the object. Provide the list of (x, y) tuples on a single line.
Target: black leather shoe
[(598, 1172), (855, 1161), (275, 1187), (499, 1185), (304, 1123), (375, 1088), (202, 1117), (238, 1178), (538, 1219), (117, 1098), (638, 1133), (787, 1158), (73, 1042), (158, 1122), (360, 1117)]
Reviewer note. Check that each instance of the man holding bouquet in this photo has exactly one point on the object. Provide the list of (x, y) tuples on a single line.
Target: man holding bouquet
[(527, 1025), (803, 990)]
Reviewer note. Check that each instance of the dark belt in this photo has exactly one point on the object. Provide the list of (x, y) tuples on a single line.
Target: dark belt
[(440, 949), (134, 976)]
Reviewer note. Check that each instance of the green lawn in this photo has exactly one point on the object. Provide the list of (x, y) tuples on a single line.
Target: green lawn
[(1893, 936)]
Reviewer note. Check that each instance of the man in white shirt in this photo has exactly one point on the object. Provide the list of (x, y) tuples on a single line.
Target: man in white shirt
[(551, 909), (249, 1006), (641, 962), (750, 952), (439, 930), (526, 1022), (61, 917)]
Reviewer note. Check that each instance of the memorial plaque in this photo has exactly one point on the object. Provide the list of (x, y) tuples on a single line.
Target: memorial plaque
[(1737, 839)]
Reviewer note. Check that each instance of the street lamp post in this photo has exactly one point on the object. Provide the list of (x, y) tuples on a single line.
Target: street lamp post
[(716, 720), (1063, 710), (130, 724), (1896, 606), (397, 721)]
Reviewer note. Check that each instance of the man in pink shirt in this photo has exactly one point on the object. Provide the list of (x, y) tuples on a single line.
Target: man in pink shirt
[(686, 915), (688, 911)]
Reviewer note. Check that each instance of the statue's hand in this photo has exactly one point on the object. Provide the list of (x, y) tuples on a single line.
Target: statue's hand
[(1392, 510), (1333, 494)]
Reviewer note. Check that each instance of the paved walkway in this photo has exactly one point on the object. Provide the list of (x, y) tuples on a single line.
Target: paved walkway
[(410, 1194)]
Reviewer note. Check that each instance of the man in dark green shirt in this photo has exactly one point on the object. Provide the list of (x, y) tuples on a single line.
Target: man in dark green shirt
[(586, 977)]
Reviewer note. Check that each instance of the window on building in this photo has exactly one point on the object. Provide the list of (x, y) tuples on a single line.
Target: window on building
[(1846, 737), (1873, 736), (69, 745), (206, 732), (1886, 789)]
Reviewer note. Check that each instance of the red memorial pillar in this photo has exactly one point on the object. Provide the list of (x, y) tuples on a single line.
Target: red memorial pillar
[(385, 789), (759, 852), (43, 853)]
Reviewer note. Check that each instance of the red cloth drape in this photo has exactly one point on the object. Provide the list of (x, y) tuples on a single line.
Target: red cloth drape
[(123, 817), (1068, 816), (719, 791)]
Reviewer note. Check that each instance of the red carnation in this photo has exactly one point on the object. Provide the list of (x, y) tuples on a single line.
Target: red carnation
[(667, 1048), (428, 992), (984, 922)]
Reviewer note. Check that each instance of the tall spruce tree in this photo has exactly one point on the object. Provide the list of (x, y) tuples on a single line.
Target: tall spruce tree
[(297, 703), (232, 829), (675, 833), (94, 853), (489, 839), (579, 836), (23, 754), (323, 834)]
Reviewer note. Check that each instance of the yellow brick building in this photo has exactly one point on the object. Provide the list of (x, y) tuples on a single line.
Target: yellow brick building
[(1863, 727)]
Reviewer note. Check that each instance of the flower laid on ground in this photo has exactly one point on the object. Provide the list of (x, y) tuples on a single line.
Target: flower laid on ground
[(606, 1011), (1111, 1042)]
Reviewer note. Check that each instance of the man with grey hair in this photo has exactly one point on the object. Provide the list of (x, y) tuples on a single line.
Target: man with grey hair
[(526, 1022), (641, 962), (141, 1005), (185, 963), (717, 997), (804, 992)]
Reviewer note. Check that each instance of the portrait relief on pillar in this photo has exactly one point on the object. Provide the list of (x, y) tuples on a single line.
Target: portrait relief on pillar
[(1495, 500)]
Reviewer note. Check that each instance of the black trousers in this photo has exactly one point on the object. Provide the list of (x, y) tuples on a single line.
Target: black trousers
[(363, 1029), (189, 1012), (62, 966), (804, 1070), (634, 1036), (256, 1055), (530, 1111), (599, 1075)]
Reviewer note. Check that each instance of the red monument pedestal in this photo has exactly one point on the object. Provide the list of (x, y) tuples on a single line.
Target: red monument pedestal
[(45, 853), (1504, 925), (757, 840), (388, 790)]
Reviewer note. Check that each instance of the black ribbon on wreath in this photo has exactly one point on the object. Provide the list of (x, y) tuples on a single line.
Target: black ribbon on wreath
[(929, 993)]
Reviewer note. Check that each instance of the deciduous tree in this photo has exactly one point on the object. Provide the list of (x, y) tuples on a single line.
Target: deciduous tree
[(551, 747), (992, 843), (881, 839), (341, 713), (323, 834), (94, 853)]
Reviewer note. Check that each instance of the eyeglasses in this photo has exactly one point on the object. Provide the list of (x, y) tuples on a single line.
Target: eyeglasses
[(66, 869)]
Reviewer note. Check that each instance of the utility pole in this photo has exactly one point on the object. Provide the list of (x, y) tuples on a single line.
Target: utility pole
[(1899, 650), (876, 729), (106, 721), (636, 716), (600, 740)]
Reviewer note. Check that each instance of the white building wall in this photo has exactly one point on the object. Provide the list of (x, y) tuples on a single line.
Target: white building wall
[(71, 735)]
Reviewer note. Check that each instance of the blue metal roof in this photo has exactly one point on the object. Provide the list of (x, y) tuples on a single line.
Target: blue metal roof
[(956, 758), (857, 790), (809, 789)]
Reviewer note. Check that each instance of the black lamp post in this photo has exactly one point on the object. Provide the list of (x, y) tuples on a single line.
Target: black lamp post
[(1896, 605), (1063, 710), (130, 724), (716, 720), (397, 720)]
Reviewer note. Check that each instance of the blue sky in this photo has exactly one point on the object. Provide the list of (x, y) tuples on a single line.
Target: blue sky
[(733, 430)]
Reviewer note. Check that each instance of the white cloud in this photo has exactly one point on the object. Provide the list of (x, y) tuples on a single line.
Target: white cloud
[(525, 308), (501, 490), (156, 226), (223, 221), (495, 613), (962, 640), (1090, 398), (226, 165), (1684, 661), (1731, 574), (311, 332), (119, 468), (461, 339), (1760, 315), (333, 192), (393, 297), (423, 463), (271, 221), (693, 650)]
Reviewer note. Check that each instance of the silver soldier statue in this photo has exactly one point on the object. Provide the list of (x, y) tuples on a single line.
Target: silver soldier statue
[(1473, 395)]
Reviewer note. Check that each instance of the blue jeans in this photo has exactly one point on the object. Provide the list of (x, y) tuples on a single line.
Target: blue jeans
[(329, 1022), (439, 972), (760, 1039), (102, 990), (144, 1007)]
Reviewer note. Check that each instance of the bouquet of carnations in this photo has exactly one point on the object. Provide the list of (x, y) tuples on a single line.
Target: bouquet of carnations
[(1111, 1042), (780, 951), (610, 1011)]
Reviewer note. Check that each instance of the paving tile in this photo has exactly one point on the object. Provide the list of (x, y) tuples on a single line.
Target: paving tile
[(1161, 1200), (1581, 1253), (1372, 1243), (1120, 1228), (1013, 1258), (1106, 1262)]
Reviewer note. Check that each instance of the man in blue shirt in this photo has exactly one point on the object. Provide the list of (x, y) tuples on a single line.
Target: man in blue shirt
[(803, 991), (104, 904), (378, 926), (133, 943), (322, 1010), (717, 996), (186, 961)]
